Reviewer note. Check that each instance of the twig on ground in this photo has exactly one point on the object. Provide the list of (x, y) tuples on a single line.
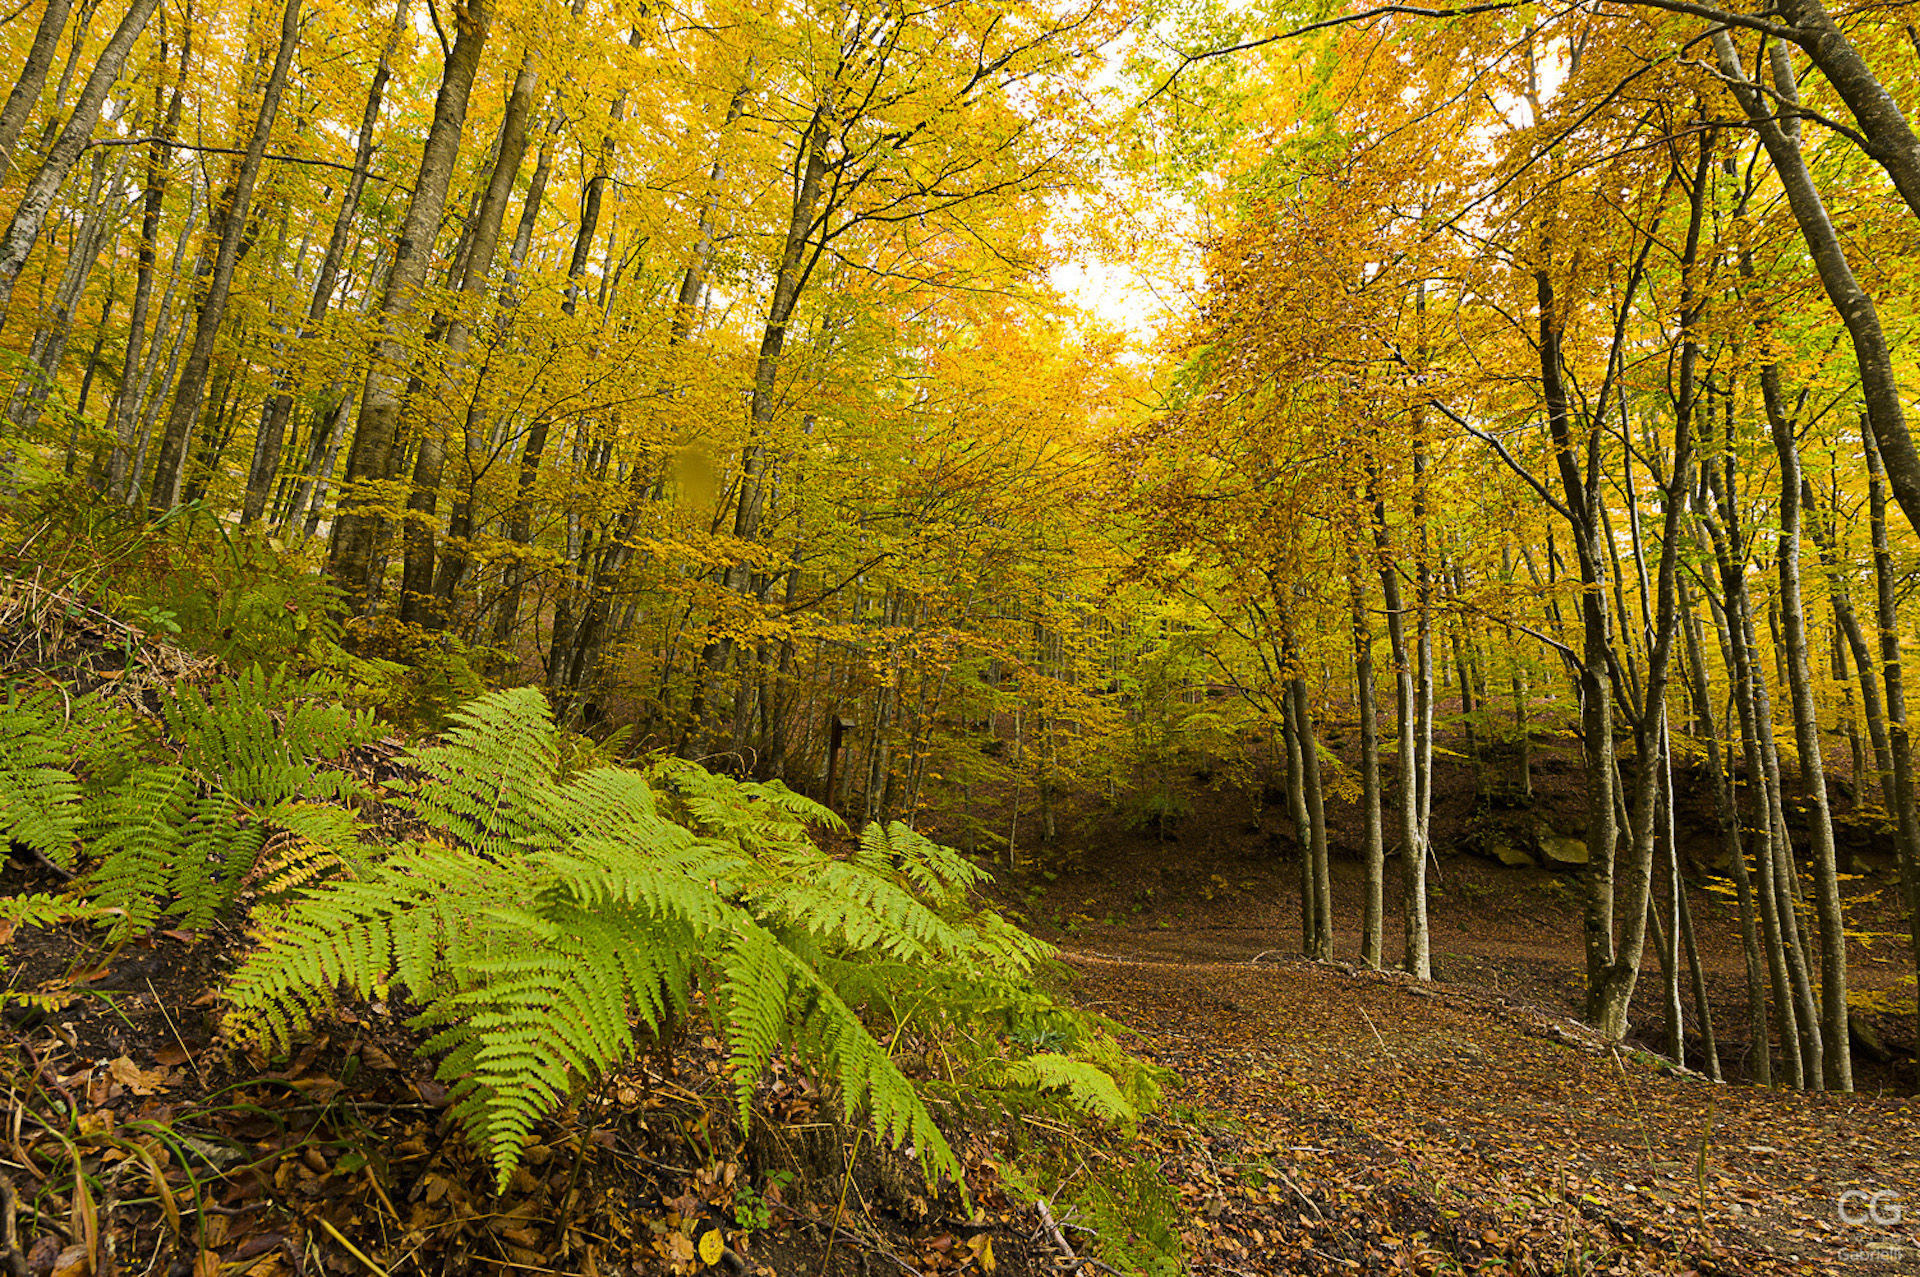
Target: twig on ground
[(1074, 1262), (178, 1040), (352, 1249), (1376, 1032)]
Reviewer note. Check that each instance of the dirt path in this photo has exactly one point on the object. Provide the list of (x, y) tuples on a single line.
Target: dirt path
[(1347, 1122)]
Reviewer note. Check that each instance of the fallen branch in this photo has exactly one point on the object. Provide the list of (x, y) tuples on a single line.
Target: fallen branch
[(1074, 1262)]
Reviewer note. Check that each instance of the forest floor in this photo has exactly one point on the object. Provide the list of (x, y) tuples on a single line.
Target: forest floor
[(1327, 1119), (1333, 1117)]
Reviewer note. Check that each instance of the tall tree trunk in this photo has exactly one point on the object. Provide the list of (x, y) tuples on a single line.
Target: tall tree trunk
[(1729, 821), (33, 78), (124, 412), (519, 520), (797, 258), (35, 201), (273, 423), (1886, 617), (1297, 812), (1595, 664), (1838, 1056), (171, 467), (1318, 875), (1413, 848), (419, 602), (1609, 1001), (1372, 909), (350, 558), (1885, 414)]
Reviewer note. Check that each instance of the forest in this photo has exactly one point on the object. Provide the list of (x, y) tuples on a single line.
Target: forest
[(951, 636)]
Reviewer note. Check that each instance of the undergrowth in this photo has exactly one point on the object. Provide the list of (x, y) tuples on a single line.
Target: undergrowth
[(551, 914)]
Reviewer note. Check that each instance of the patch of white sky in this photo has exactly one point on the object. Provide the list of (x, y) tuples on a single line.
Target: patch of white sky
[(1134, 270), (1144, 291)]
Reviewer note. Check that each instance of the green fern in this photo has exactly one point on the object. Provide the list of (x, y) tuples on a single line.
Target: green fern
[(173, 813), (1090, 1087), (39, 796), (542, 918)]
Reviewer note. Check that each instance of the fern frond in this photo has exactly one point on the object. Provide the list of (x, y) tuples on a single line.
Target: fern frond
[(756, 981), (538, 920), (39, 796), (489, 780), (871, 1085), (136, 831), (1090, 1088)]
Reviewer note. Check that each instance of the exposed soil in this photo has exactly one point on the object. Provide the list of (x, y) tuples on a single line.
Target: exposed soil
[(1472, 1122)]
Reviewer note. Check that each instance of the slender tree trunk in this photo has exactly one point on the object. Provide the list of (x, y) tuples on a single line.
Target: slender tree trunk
[(273, 425), (171, 467), (350, 558), (519, 520), (797, 258), (1886, 618), (1595, 666), (1729, 820), (1372, 908), (33, 78), (35, 201), (48, 351), (418, 599), (1683, 923), (1786, 880), (1297, 811), (1413, 847), (1886, 416), (122, 415), (1838, 1056)]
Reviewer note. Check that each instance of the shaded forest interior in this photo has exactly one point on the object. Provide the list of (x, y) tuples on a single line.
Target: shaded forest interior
[(664, 537)]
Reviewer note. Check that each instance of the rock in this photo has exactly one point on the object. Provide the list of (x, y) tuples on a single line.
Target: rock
[(1562, 850), (1508, 854), (1869, 1041)]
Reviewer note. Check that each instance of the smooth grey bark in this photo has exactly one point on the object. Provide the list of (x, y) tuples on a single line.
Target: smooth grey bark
[(1412, 833), (350, 558), (1729, 822), (1316, 823), (1297, 812), (1886, 618), (420, 602), (1373, 855), (171, 465), (124, 412), (273, 420), (31, 214), (33, 78)]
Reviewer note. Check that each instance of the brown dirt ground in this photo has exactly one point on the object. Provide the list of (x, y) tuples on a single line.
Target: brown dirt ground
[(1477, 1104)]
